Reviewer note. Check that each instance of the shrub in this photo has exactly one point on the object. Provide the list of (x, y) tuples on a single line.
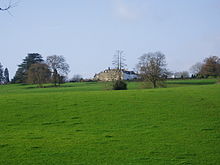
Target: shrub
[(119, 85)]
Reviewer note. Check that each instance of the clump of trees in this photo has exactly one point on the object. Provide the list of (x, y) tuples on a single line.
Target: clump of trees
[(209, 68), (152, 68), (4, 75), (182, 75), (76, 78), (35, 70)]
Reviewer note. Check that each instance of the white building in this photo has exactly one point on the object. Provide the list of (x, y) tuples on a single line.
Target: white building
[(129, 75)]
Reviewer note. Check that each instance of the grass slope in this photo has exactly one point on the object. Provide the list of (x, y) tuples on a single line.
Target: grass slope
[(78, 126)]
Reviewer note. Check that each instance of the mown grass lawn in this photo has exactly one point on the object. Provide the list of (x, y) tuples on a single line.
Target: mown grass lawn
[(84, 124)]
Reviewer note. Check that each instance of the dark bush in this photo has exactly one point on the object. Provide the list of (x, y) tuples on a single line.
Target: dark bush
[(119, 85)]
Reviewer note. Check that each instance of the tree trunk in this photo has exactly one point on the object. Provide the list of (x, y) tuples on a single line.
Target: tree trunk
[(154, 84)]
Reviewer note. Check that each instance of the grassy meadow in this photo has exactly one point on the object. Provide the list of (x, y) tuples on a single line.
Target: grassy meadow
[(83, 124)]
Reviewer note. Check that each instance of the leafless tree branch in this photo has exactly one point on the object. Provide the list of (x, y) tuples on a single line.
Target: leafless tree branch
[(9, 6)]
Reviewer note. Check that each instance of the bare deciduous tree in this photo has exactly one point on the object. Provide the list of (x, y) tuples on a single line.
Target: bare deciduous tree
[(38, 74), (58, 66), (119, 64), (152, 67), (196, 69)]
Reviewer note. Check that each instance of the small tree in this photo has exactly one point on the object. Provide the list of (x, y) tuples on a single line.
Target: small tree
[(39, 74), (152, 68), (58, 67), (6, 75)]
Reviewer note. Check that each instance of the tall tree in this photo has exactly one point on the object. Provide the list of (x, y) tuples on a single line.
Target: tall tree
[(119, 64), (21, 73), (39, 73), (6, 75), (152, 67), (1, 74), (59, 68)]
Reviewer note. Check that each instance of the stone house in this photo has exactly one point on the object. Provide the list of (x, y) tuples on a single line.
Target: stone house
[(113, 74)]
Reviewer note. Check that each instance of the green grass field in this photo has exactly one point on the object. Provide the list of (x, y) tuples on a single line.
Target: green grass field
[(81, 123)]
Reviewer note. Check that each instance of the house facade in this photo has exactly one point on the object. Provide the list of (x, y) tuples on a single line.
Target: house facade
[(113, 74)]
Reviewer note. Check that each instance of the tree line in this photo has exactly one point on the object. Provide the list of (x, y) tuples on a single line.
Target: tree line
[(35, 70), (151, 67), (210, 67)]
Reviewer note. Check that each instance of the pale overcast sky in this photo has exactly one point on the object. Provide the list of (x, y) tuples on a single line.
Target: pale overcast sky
[(87, 32)]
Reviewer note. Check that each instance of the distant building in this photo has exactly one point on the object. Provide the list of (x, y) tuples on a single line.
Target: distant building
[(112, 74), (129, 75)]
